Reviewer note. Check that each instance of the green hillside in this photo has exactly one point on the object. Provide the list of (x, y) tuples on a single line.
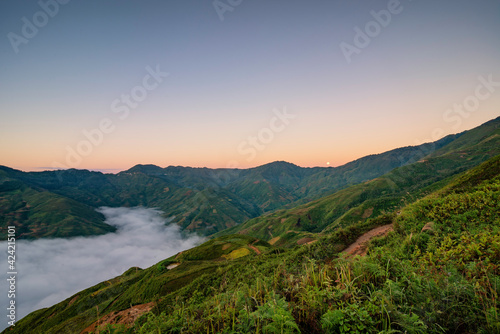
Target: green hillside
[(436, 272)]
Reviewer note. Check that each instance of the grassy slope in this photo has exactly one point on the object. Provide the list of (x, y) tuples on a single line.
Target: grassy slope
[(138, 286), (443, 280)]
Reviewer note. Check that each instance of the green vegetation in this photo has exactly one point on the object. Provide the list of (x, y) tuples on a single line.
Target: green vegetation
[(437, 272)]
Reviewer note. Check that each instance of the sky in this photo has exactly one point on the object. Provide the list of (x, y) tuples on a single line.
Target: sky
[(76, 264), (106, 85)]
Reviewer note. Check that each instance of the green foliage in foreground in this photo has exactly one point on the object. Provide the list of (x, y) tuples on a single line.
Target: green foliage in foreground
[(444, 278)]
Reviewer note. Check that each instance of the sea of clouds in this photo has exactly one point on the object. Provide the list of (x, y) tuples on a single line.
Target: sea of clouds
[(51, 270)]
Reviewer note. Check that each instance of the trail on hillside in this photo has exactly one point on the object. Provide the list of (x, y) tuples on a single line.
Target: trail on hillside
[(125, 317), (359, 247), (256, 250)]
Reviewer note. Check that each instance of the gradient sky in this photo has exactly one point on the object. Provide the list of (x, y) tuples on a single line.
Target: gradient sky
[(228, 78)]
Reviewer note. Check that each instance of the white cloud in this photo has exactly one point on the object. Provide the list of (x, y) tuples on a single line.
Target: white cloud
[(51, 270)]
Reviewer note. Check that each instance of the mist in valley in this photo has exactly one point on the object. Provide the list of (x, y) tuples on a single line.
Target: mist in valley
[(51, 270)]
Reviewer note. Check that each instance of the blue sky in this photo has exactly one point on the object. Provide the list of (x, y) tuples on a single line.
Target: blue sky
[(229, 79)]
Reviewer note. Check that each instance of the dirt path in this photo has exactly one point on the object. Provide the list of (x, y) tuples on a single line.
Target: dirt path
[(126, 317), (359, 247), (254, 248)]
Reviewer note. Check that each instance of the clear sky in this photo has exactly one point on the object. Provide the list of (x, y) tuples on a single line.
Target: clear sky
[(101, 84)]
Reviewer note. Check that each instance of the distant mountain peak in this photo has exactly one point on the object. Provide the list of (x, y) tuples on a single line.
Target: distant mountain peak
[(146, 168), (279, 163)]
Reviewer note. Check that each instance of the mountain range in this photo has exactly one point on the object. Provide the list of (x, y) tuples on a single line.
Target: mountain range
[(62, 203), (386, 193), (434, 269)]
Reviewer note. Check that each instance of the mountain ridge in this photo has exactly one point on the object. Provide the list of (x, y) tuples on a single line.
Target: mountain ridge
[(206, 200), (364, 201)]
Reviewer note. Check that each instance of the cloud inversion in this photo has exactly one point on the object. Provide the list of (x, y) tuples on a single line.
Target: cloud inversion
[(51, 270)]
